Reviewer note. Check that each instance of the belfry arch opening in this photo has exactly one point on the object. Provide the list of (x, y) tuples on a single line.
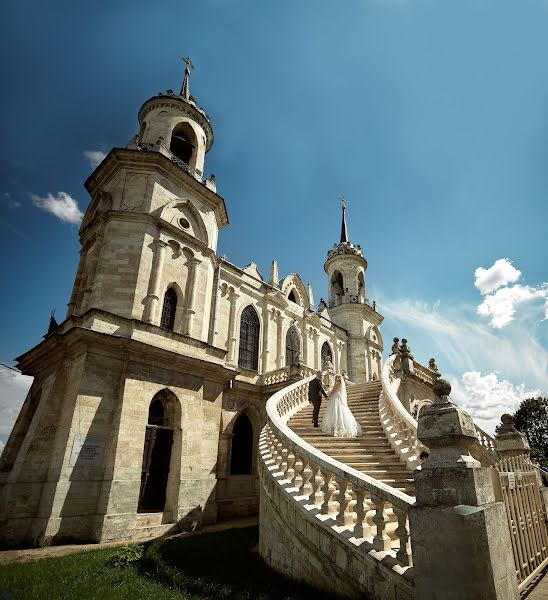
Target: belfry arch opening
[(183, 143), (337, 285), (361, 287), (241, 455), (156, 456)]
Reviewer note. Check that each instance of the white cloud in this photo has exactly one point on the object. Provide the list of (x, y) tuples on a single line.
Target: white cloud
[(13, 390), (95, 157), (459, 343), (63, 206), (501, 306), (500, 273), (487, 398)]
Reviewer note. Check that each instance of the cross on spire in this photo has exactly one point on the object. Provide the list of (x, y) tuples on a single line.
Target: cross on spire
[(185, 90), (344, 230)]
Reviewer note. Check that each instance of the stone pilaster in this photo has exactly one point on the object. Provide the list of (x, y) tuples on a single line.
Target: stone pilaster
[(266, 328), (233, 299), (153, 296), (279, 345), (460, 535), (194, 263)]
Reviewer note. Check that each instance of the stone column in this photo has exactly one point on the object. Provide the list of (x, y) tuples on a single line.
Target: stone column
[(266, 327), (342, 358), (460, 534), (368, 352), (336, 356), (233, 298), (93, 258), (315, 336), (305, 343), (279, 346), (153, 295), (191, 299), (379, 366)]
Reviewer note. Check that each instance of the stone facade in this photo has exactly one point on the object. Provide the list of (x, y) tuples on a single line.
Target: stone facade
[(156, 314)]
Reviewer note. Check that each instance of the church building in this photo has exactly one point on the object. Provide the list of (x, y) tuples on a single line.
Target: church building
[(148, 399)]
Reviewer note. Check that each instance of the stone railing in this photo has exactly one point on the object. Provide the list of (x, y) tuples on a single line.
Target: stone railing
[(424, 373), (162, 149), (401, 428), (365, 520), (286, 373)]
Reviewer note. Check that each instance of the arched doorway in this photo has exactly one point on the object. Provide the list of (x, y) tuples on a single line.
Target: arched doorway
[(241, 455), (327, 356), (156, 458), (292, 346)]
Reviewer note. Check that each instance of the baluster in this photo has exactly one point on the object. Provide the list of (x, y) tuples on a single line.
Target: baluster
[(381, 541), (278, 452), (317, 485), (283, 463), (404, 553), (362, 528), (298, 467), (306, 488), (290, 471), (329, 506), (344, 499)]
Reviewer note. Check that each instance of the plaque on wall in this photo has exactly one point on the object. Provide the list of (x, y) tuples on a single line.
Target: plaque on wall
[(87, 450)]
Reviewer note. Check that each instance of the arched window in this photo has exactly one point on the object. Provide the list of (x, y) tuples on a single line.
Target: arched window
[(156, 458), (248, 357), (241, 457), (293, 297), (326, 356), (168, 309), (337, 284), (183, 142), (292, 346)]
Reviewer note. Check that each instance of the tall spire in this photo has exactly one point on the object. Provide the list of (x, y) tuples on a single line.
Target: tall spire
[(344, 230), (185, 90)]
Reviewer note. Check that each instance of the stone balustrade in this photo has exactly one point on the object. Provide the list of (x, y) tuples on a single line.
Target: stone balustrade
[(363, 521), (398, 425), (401, 428), (286, 373)]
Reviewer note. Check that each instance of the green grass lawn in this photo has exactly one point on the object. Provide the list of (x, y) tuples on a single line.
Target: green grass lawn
[(212, 565)]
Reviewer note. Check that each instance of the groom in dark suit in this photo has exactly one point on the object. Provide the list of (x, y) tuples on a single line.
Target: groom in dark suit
[(315, 392)]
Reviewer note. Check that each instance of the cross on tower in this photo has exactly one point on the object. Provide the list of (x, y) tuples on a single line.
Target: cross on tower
[(343, 202), (185, 90)]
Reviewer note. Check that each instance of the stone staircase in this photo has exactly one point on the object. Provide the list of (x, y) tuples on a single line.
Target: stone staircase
[(369, 453)]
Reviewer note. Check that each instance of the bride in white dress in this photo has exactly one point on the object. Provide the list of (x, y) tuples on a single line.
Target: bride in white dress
[(338, 419)]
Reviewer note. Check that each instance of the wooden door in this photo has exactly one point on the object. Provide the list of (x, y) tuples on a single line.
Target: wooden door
[(155, 469)]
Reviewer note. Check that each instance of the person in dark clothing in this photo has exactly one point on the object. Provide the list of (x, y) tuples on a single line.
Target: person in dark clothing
[(315, 393)]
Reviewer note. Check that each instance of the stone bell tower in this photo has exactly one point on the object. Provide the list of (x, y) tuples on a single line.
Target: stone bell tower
[(118, 435), (349, 307)]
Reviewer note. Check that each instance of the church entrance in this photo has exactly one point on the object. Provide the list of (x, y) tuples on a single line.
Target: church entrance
[(156, 459)]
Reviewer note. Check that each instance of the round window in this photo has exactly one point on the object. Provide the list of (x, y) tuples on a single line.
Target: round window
[(184, 223)]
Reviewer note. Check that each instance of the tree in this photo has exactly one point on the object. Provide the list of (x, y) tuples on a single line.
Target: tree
[(531, 419)]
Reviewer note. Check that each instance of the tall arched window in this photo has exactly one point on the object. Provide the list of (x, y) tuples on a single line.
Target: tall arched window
[(241, 457), (326, 355), (156, 458), (361, 287), (293, 297), (168, 309), (292, 346), (183, 142), (248, 357)]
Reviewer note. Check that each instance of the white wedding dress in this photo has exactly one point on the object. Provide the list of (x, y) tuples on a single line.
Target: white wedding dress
[(338, 419)]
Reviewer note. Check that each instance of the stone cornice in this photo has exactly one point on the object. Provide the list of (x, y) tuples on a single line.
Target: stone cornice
[(118, 158)]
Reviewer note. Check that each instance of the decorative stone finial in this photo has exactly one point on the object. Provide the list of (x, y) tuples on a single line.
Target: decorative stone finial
[(508, 440), (395, 346), (274, 278), (442, 389), (433, 366), (507, 419)]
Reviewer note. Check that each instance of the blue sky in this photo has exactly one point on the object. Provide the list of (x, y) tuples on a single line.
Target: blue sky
[(430, 116)]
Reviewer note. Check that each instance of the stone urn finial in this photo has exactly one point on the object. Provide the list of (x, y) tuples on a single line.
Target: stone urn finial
[(508, 440), (395, 346), (442, 389)]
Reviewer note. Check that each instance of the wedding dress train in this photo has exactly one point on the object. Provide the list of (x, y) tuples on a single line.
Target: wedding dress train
[(338, 419)]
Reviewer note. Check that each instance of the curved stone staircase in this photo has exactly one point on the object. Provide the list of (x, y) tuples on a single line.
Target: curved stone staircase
[(369, 453)]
